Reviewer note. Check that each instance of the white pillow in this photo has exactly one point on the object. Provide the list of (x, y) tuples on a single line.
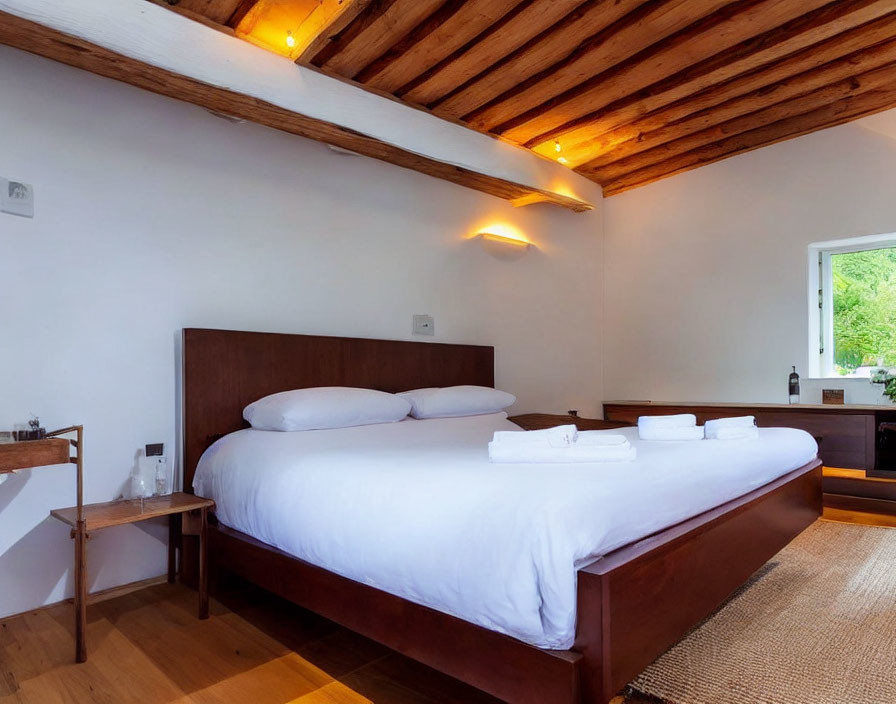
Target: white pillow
[(455, 401), (325, 407)]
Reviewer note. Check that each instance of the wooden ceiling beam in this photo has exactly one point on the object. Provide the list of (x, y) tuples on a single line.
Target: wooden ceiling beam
[(325, 24), (809, 100), (46, 41), (433, 40), (349, 32), (526, 20), (195, 16), (538, 54), (628, 119), (715, 34), (834, 76), (830, 115), (373, 33), (240, 12), (217, 11), (635, 33)]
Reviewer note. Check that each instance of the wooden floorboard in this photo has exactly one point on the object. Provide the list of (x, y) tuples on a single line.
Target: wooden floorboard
[(147, 646)]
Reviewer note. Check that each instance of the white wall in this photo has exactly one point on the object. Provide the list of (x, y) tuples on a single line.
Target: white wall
[(152, 215), (706, 272)]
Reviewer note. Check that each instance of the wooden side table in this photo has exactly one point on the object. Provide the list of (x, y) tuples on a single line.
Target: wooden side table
[(187, 515)]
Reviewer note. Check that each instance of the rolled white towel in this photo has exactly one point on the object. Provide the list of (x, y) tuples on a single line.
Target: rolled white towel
[(539, 454), (743, 433), (599, 438), (686, 433), (736, 422), (680, 420), (560, 436)]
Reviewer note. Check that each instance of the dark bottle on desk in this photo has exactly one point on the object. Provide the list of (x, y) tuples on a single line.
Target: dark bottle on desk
[(793, 386)]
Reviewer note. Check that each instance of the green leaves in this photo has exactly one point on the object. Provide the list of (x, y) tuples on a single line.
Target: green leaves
[(888, 379), (864, 293)]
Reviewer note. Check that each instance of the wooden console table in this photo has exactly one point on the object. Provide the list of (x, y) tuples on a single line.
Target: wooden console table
[(187, 515), (846, 436)]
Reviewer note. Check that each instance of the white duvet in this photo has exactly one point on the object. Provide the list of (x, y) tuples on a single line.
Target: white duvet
[(415, 508)]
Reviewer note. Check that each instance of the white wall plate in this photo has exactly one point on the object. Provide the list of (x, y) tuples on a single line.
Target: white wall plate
[(16, 198)]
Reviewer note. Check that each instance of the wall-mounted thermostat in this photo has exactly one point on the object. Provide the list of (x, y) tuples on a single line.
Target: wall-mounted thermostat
[(16, 198)]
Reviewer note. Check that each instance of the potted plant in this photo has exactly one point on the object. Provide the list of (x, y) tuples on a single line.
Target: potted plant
[(887, 377)]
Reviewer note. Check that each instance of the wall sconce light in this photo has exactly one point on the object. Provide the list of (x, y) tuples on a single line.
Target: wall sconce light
[(504, 246), (505, 240), (290, 40)]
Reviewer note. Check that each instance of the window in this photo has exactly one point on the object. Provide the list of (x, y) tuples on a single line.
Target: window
[(853, 306)]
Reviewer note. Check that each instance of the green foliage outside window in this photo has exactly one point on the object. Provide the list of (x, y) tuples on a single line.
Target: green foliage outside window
[(864, 286)]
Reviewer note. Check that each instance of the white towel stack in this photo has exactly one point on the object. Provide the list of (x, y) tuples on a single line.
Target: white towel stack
[(561, 436), (562, 444), (739, 428), (677, 427)]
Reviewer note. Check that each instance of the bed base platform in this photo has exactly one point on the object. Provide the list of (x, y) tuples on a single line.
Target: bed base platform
[(633, 604)]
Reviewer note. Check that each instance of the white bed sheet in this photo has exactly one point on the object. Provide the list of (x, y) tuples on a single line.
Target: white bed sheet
[(416, 509)]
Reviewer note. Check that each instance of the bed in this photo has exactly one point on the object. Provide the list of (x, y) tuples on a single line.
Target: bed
[(635, 591)]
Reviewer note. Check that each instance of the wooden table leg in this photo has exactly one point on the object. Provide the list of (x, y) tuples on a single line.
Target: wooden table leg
[(80, 536), (203, 563), (174, 533)]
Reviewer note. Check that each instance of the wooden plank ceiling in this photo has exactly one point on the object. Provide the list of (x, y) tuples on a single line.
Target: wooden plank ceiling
[(625, 92)]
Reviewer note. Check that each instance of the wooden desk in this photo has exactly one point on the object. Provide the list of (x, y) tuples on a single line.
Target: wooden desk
[(187, 515)]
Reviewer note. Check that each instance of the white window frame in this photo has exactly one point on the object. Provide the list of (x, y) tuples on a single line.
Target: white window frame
[(821, 297)]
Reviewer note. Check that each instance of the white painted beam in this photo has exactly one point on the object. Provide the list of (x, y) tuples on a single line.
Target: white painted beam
[(153, 35)]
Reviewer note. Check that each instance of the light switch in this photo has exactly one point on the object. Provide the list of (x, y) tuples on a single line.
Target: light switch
[(16, 198), (424, 325)]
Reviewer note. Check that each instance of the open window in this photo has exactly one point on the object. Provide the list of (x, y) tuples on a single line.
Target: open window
[(852, 294)]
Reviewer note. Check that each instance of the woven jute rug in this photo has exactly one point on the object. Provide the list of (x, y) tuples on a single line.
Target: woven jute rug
[(816, 625)]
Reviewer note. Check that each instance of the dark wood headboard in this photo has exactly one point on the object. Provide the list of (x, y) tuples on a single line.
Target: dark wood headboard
[(225, 370)]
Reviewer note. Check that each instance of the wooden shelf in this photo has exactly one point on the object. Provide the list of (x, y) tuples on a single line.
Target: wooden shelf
[(116, 513), (33, 453)]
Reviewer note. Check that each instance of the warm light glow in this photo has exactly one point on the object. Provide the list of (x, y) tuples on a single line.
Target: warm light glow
[(564, 190), (563, 160), (279, 25), (557, 147), (513, 241), (500, 229)]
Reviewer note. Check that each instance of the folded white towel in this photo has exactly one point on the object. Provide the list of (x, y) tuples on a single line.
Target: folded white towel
[(539, 454), (745, 433), (599, 438), (681, 420), (686, 433), (737, 422), (560, 436)]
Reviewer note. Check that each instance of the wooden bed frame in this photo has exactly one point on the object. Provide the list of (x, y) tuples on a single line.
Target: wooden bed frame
[(633, 604)]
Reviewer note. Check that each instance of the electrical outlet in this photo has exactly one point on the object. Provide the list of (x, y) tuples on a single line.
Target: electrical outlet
[(16, 198), (424, 325)]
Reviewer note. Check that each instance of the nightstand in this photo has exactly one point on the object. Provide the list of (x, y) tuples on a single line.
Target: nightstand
[(539, 421), (187, 515)]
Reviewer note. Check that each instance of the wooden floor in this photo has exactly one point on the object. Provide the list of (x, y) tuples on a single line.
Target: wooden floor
[(147, 646)]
